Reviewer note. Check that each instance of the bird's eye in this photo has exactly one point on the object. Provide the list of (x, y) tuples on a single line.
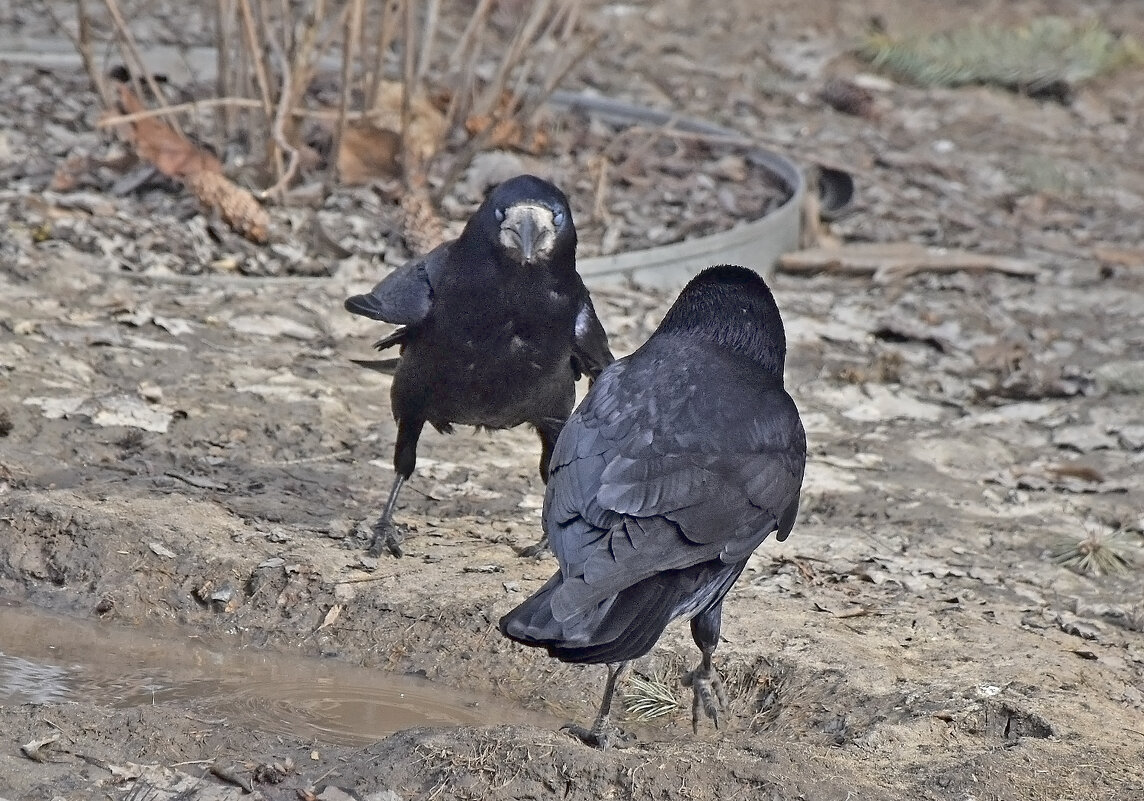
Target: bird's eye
[(500, 215), (558, 217)]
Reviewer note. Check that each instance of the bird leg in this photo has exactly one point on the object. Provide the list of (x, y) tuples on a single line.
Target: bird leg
[(383, 530), (704, 682), (549, 431), (404, 463), (603, 735)]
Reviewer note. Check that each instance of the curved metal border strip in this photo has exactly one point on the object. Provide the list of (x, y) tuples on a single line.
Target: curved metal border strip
[(756, 244)]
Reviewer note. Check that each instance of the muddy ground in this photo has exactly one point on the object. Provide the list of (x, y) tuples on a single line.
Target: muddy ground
[(198, 455)]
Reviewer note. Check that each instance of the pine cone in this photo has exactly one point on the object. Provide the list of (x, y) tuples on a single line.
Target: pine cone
[(847, 97), (239, 209), (423, 226)]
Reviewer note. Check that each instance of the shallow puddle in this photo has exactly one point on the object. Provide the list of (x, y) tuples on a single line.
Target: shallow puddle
[(47, 658)]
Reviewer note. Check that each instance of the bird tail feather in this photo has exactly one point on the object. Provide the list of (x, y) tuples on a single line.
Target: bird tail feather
[(618, 629)]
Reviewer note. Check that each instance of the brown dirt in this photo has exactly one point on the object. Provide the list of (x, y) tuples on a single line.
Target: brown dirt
[(913, 639)]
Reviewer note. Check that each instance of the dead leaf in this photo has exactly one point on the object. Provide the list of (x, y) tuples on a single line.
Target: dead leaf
[(34, 750), (128, 772), (230, 775), (174, 155), (368, 153), (159, 549), (426, 130), (331, 617), (508, 132), (157, 142)]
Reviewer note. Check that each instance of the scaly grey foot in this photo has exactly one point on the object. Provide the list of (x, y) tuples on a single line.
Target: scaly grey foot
[(709, 695), (602, 738), (385, 533)]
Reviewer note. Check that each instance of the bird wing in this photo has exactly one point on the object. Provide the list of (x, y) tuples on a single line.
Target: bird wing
[(680, 455), (590, 352), (405, 296)]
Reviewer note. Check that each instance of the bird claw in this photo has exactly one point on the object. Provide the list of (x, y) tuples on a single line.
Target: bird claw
[(603, 739), (708, 695), (385, 534)]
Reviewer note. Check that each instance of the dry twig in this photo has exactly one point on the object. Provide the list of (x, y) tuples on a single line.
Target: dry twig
[(892, 261), (268, 52), (132, 55), (278, 129)]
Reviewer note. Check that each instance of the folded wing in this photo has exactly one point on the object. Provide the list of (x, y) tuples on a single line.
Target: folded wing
[(405, 296)]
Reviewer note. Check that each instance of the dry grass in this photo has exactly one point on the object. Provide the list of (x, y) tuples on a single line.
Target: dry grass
[(487, 80)]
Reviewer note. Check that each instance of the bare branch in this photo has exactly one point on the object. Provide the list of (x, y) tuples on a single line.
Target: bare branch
[(82, 43), (138, 67), (390, 14), (349, 43), (281, 115), (428, 36), (408, 88)]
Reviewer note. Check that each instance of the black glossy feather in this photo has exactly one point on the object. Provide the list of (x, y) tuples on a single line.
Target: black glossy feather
[(495, 326), (680, 461), (405, 296)]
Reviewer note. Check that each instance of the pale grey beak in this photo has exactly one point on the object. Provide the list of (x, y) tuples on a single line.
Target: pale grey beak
[(527, 232)]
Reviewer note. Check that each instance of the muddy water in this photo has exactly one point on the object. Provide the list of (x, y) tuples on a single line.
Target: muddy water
[(51, 659)]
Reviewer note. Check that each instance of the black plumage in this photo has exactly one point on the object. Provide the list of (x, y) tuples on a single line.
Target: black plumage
[(680, 461), (496, 327)]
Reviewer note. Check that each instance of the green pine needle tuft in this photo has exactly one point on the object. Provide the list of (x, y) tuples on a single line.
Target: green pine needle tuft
[(1094, 555), (1048, 56), (650, 698)]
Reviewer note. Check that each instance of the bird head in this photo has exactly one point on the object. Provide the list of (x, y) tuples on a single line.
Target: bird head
[(733, 307), (534, 222)]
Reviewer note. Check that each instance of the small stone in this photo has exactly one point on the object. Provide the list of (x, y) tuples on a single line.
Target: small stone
[(159, 549)]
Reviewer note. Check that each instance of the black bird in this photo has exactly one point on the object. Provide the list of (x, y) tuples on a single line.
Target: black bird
[(496, 327), (680, 461)]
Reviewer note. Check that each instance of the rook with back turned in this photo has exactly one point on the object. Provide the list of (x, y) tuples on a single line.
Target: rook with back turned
[(681, 460), (495, 328)]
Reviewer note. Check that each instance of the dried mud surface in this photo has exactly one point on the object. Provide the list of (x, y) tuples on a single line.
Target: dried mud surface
[(199, 454)]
